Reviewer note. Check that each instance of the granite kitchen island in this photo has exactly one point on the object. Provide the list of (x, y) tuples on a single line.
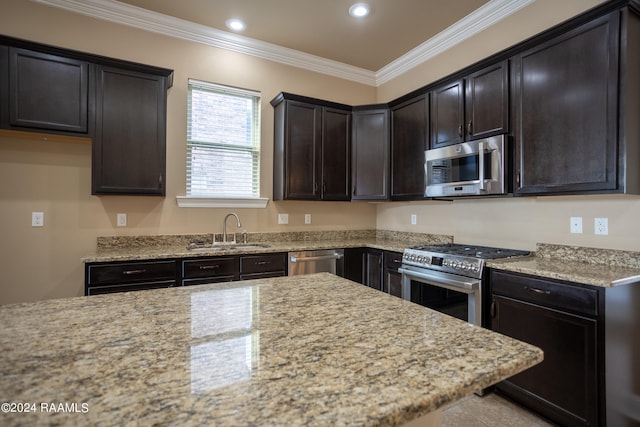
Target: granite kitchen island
[(302, 350)]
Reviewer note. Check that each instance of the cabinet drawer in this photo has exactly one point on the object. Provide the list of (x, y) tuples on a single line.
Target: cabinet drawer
[(392, 260), (545, 292), (210, 267), (139, 286), (131, 272), (262, 263)]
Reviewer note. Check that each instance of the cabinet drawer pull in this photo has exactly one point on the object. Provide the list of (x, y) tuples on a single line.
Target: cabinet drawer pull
[(133, 272), (209, 267), (263, 262), (537, 291)]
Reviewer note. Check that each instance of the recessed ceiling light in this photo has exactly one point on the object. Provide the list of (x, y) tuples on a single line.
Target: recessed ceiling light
[(359, 10), (235, 24)]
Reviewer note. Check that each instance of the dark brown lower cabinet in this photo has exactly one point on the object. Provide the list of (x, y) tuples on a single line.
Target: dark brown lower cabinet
[(263, 266), (197, 271), (562, 320), (392, 278), (110, 277), (373, 277), (375, 268)]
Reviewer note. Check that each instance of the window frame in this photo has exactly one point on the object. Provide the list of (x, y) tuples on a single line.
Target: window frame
[(223, 200)]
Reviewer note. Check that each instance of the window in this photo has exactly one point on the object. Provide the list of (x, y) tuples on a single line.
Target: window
[(223, 142)]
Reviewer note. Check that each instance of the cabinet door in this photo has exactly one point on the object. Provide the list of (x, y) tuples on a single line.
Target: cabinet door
[(447, 109), (47, 92), (564, 386), (302, 150), (566, 111), (336, 158), (374, 277), (487, 102), (210, 267), (129, 148), (409, 130), (392, 278), (354, 264), (370, 151), (264, 263), (103, 278)]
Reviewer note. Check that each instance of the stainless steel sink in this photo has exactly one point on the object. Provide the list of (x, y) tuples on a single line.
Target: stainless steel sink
[(225, 247)]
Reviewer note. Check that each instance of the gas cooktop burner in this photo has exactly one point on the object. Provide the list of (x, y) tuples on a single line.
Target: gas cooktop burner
[(467, 260), (482, 252)]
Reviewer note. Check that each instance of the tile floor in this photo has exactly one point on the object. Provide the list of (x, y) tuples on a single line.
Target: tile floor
[(490, 410)]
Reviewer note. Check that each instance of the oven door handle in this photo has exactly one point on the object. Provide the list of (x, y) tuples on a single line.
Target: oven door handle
[(465, 285)]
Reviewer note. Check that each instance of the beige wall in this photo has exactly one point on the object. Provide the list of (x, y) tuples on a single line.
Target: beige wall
[(514, 222), (54, 177)]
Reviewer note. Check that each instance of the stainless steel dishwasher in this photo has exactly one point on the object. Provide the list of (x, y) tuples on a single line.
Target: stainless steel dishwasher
[(319, 261)]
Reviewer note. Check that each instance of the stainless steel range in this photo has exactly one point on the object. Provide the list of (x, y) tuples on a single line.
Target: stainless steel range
[(449, 277)]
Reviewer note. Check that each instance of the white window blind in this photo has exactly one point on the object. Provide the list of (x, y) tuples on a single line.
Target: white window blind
[(223, 141)]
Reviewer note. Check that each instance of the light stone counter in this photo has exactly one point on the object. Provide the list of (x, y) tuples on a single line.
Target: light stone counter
[(589, 266), (136, 248), (313, 350)]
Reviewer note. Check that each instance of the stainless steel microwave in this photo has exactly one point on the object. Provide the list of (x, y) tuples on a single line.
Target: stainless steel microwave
[(474, 168)]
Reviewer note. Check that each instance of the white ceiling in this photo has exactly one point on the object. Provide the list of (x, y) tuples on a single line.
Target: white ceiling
[(318, 35)]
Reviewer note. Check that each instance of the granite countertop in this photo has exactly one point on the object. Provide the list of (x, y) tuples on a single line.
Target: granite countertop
[(301, 350), (135, 248), (589, 266)]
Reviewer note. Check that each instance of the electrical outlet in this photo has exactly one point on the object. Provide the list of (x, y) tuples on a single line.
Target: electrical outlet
[(576, 224), (307, 218), (414, 219), (121, 219), (601, 226), (37, 219), (283, 218)]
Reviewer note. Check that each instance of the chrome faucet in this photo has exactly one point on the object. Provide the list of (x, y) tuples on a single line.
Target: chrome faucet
[(224, 228)]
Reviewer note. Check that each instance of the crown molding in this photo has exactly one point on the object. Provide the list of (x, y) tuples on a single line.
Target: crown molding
[(121, 13), (472, 24)]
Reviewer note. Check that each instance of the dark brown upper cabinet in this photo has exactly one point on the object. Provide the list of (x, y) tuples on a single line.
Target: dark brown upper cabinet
[(311, 149), (409, 140), (370, 152), (121, 105), (336, 154), (473, 107), (129, 148), (575, 122), (46, 92)]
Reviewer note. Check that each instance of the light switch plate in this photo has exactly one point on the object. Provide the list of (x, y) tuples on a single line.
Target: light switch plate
[(307, 218), (414, 219), (283, 218), (121, 219), (576, 224)]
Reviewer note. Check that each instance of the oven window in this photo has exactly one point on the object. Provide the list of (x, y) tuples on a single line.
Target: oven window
[(459, 169), (443, 300)]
